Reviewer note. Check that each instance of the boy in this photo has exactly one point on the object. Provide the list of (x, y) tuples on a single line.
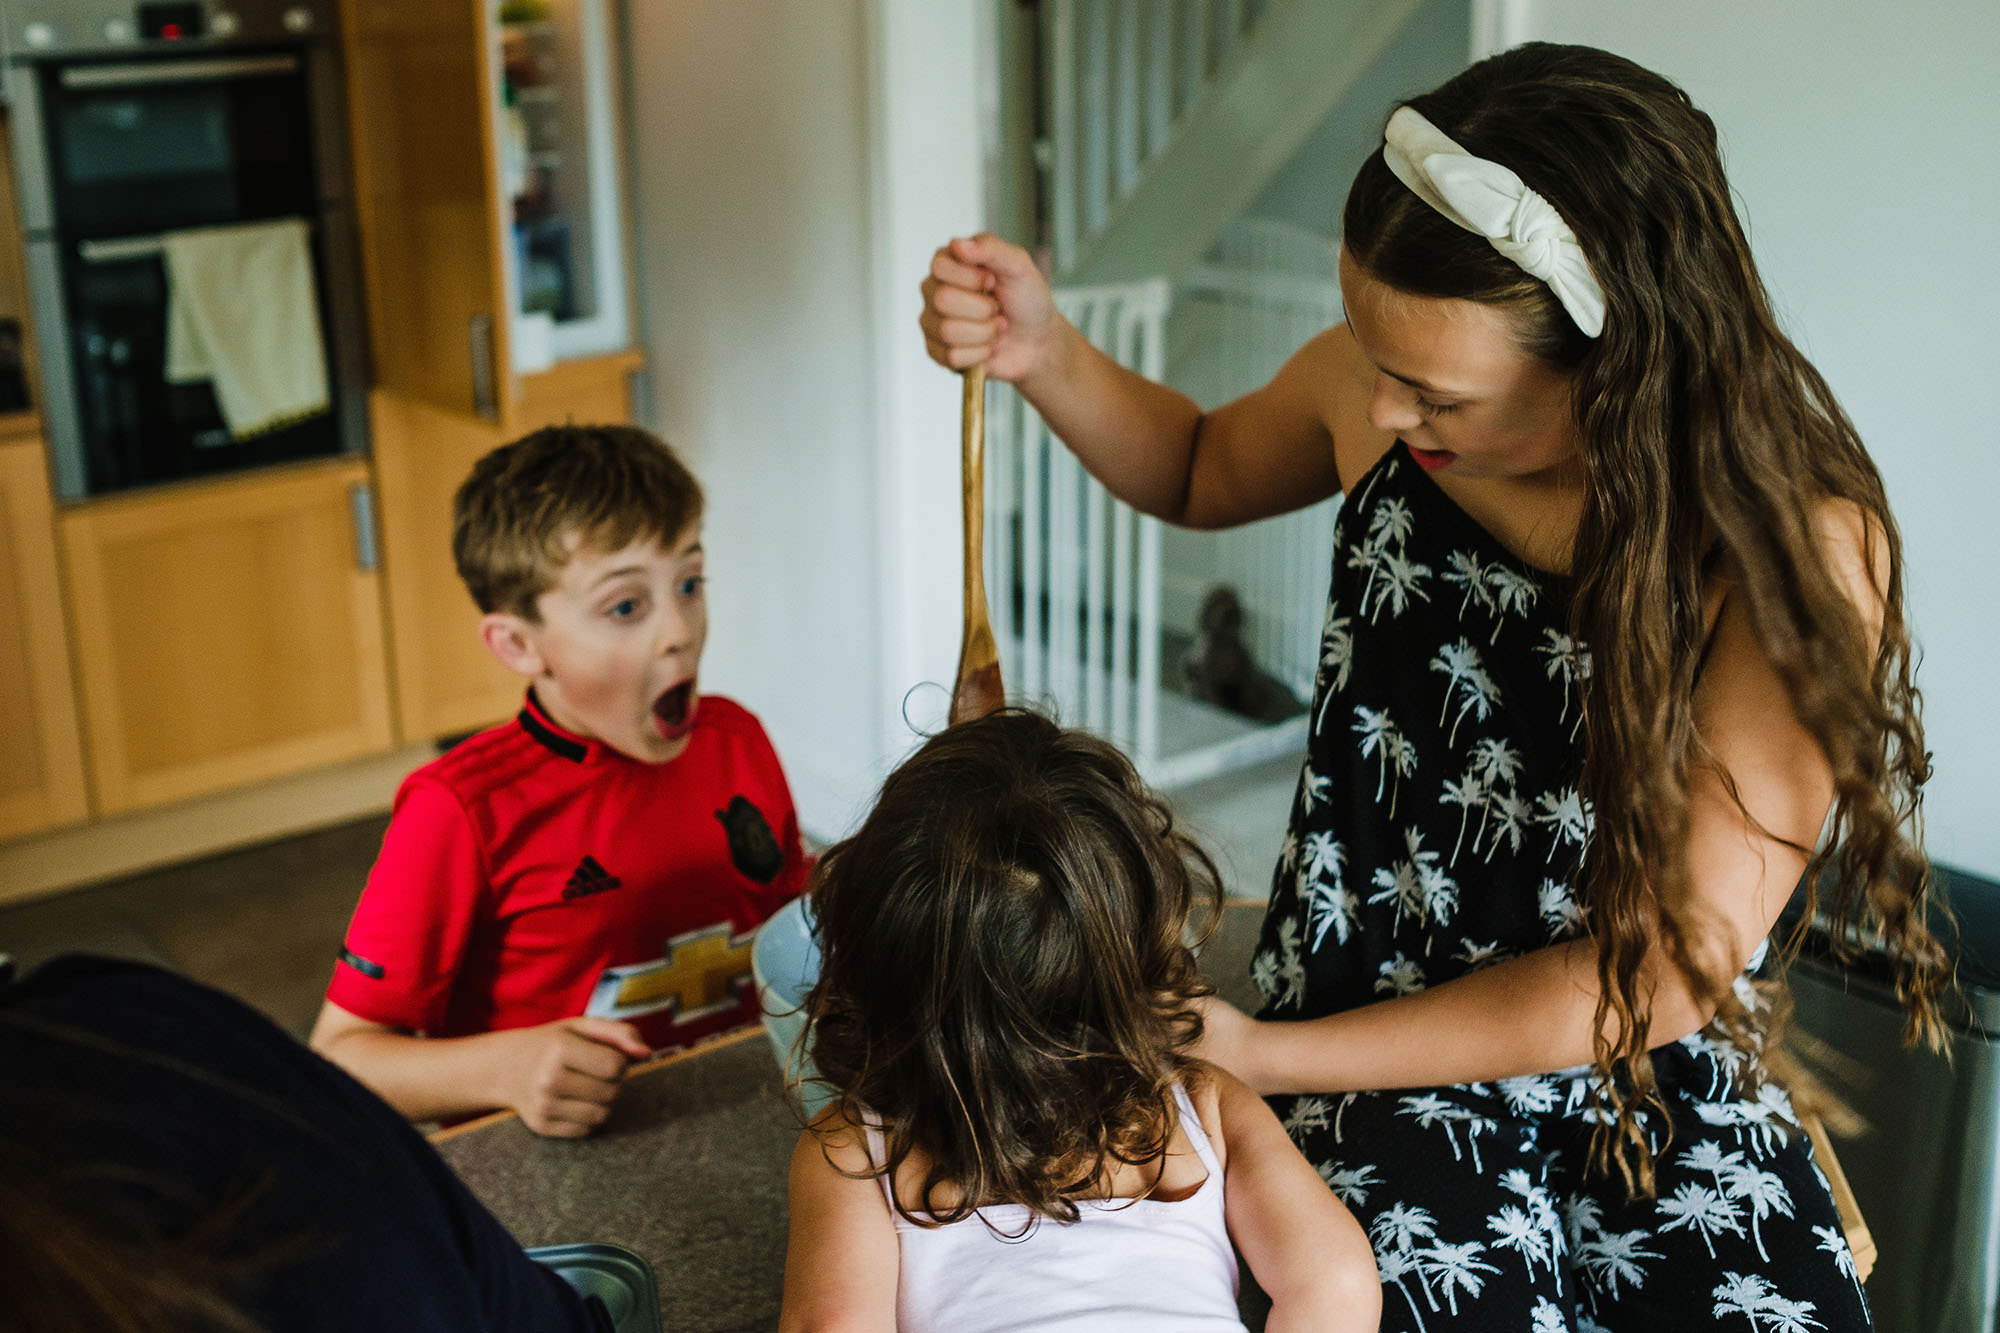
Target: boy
[(575, 889)]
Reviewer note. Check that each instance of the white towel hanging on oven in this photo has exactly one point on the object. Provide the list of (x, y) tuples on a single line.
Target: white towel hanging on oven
[(241, 313)]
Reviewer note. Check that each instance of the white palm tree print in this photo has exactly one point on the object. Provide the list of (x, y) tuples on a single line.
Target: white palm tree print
[(1288, 853), (1381, 737), (1568, 661), (1402, 757), (1753, 1297), (1510, 816), (1704, 1211), (1350, 1183), (1835, 1244), (1399, 976), (1392, 521), (1314, 788), (1456, 1268), (1401, 886), (1400, 578), (1744, 1294), (1308, 1114), (1396, 1265), (1789, 1316), (1280, 977), (1527, 1095), (1760, 1125), (1558, 909), (1329, 906), (1417, 885), (1495, 760), (1514, 1230), (1468, 794), (1612, 1257), (1565, 813), (1462, 569), (1476, 956), (1547, 1317), (1508, 591), (1336, 650), (1400, 1226), (1336, 662), (1433, 1111), (1766, 1194), (1466, 682), (1742, 1182)]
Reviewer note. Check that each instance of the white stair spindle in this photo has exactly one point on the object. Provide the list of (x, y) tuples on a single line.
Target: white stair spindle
[(1094, 46), (1034, 557), (1158, 17), (1060, 78)]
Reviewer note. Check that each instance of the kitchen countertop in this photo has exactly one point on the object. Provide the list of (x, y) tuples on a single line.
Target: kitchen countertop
[(690, 1169)]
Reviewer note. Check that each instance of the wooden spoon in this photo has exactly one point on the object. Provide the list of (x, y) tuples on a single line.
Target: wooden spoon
[(979, 690)]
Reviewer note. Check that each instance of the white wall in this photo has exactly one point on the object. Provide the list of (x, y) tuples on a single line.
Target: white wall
[(1862, 140), (772, 145)]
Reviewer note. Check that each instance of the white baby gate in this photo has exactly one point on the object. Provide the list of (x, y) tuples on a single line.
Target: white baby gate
[(1080, 581)]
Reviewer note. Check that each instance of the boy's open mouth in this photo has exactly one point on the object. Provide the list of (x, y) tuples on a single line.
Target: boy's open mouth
[(673, 712)]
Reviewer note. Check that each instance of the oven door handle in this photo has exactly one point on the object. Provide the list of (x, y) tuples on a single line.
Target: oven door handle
[(134, 73)]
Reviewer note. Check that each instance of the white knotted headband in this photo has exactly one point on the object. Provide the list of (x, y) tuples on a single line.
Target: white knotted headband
[(1491, 201)]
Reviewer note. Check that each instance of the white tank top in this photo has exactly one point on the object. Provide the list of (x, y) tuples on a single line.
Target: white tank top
[(1138, 1264)]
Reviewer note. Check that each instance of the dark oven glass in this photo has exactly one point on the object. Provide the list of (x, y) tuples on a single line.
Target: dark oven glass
[(141, 148), (136, 427), (144, 147)]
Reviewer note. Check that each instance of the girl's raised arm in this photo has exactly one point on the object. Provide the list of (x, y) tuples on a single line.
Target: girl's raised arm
[(1268, 452), (1308, 1253), (841, 1258)]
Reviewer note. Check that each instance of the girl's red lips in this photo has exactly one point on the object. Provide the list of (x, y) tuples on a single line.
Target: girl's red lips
[(1430, 460)]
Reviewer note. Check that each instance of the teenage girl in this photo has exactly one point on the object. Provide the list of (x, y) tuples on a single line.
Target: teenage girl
[(1019, 1136), (1614, 656)]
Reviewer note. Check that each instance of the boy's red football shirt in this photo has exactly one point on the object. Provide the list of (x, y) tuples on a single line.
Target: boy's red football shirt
[(528, 875)]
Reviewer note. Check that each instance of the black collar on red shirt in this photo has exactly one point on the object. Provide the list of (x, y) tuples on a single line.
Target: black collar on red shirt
[(534, 720)]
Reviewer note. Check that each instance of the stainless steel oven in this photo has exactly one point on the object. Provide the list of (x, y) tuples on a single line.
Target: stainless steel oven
[(134, 121)]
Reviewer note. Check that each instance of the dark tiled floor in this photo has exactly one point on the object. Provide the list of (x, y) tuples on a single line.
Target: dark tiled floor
[(262, 923)]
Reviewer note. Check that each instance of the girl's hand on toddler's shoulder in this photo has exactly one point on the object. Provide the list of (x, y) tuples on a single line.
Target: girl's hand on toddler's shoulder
[(1228, 1037)]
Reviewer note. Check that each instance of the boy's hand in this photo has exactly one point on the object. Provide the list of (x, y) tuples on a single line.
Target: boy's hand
[(985, 301), (569, 1072)]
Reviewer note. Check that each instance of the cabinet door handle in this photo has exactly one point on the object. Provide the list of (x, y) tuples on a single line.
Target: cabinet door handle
[(361, 505), (485, 377)]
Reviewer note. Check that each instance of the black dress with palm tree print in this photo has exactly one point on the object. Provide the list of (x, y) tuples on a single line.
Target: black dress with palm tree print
[(1438, 828)]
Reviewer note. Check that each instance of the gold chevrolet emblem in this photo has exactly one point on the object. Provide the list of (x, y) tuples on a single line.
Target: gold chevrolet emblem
[(697, 972)]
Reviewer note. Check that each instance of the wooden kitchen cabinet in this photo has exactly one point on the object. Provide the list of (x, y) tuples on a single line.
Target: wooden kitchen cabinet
[(446, 681), (227, 632), (488, 188), (42, 783)]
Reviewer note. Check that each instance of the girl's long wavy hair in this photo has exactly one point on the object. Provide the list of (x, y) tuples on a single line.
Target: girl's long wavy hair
[(1006, 969), (1699, 419)]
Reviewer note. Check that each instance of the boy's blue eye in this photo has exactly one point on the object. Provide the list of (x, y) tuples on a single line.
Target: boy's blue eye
[(624, 609), (692, 585)]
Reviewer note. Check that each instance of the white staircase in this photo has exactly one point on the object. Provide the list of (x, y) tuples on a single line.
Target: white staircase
[(1165, 119)]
